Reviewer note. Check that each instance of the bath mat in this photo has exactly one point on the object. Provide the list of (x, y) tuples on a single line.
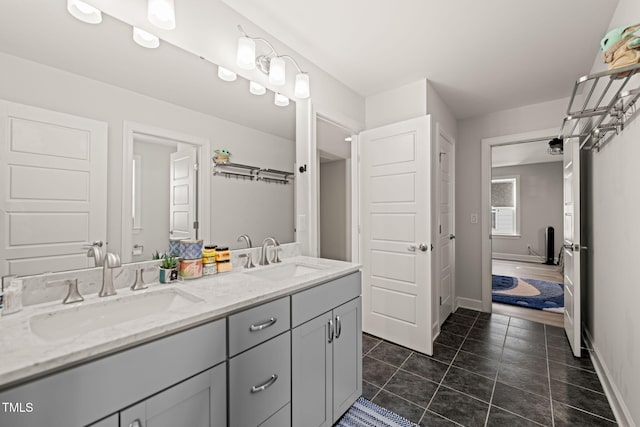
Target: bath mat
[(530, 293), (364, 413)]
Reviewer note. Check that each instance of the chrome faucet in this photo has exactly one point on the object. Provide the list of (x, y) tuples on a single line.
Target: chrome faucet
[(111, 261), (264, 260), (249, 263), (96, 251), (276, 258)]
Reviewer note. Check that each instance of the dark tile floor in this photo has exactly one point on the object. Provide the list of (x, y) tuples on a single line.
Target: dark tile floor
[(487, 370)]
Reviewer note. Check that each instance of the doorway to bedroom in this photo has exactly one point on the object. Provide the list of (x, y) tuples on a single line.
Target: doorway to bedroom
[(526, 232)]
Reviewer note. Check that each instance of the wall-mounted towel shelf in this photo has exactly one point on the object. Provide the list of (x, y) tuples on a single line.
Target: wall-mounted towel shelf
[(238, 170), (600, 106)]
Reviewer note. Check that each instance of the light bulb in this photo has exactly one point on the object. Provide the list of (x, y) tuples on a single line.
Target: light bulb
[(280, 100), (257, 88), (277, 71), (145, 39), (162, 14), (301, 89), (84, 12), (226, 74), (246, 58)]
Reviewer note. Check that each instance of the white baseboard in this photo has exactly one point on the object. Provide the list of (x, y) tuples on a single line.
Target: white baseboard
[(619, 408), (435, 331), (471, 304), (523, 258)]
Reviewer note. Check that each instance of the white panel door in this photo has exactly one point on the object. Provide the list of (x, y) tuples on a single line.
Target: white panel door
[(571, 244), (53, 197), (446, 222), (395, 221), (182, 197)]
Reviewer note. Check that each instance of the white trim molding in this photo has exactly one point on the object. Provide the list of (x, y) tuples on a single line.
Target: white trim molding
[(618, 406), (471, 304)]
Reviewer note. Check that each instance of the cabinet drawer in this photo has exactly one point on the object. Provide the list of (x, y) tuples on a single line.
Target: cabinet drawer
[(282, 418), (256, 325), (313, 302), (260, 382)]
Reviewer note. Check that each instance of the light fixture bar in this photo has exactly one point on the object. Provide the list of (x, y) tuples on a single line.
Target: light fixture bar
[(272, 64)]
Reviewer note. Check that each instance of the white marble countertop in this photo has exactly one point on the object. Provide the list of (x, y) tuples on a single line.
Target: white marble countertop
[(25, 356)]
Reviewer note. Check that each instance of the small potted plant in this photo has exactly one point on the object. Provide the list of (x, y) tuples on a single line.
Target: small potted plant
[(168, 269)]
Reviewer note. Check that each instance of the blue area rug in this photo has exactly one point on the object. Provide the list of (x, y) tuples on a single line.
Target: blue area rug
[(512, 290), (364, 413)]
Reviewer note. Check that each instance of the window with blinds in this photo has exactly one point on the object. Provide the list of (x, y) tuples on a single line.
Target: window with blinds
[(504, 206)]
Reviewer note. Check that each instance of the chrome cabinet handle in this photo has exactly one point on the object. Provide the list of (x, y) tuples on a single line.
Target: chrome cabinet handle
[(135, 423), (261, 326), (330, 332), (262, 387), (98, 243), (338, 327)]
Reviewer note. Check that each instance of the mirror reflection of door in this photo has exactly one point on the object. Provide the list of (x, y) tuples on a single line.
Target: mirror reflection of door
[(164, 193)]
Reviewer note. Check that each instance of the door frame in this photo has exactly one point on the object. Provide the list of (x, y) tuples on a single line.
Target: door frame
[(442, 133), (485, 202), (203, 174)]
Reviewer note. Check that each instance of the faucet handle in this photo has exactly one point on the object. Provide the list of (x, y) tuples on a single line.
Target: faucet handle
[(276, 258), (139, 284), (72, 293)]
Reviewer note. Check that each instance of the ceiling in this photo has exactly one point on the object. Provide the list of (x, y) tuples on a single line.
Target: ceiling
[(522, 154), (107, 53), (481, 56)]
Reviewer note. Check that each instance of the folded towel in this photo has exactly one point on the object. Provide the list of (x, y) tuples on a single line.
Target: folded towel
[(628, 57)]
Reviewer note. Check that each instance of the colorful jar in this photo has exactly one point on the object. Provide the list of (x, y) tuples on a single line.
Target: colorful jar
[(209, 269), (191, 249), (223, 253), (224, 266), (191, 268), (209, 254), (174, 247)]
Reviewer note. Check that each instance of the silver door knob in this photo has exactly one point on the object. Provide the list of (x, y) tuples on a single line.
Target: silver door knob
[(452, 236), (423, 247)]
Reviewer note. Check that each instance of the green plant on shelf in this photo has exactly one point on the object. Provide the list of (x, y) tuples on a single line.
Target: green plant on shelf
[(169, 262)]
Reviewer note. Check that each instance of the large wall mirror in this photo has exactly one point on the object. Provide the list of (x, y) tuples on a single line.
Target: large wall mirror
[(158, 105)]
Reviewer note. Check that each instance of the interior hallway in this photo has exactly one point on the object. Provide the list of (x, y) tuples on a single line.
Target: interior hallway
[(528, 270)]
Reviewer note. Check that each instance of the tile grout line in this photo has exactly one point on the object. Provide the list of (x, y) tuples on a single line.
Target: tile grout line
[(392, 375), (546, 349), (448, 369), (495, 381)]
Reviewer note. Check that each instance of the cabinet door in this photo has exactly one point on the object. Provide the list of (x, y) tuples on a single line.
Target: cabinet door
[(197, 402), (311, 363), (347, 356)]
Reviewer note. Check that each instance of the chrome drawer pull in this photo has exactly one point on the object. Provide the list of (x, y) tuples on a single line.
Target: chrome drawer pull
[(338, 327), (261, 326), (269, 383)]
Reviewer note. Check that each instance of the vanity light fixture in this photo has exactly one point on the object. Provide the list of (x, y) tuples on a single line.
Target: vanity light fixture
[(280, 100), (272, 64), (84, 12), (226, 74), (145, 39), (257, 88), (162, 14)]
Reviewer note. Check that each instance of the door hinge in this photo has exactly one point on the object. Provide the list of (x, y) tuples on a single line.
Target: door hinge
[(196, 225), (440, 300), (440, 228)]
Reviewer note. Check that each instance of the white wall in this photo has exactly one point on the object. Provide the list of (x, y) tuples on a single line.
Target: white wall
[(34, 84), (402, 103), (612, 293), (333, 210), (470, 132), (540, 206)]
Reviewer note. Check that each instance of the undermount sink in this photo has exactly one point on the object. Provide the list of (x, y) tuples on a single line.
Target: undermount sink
[(284, 271), (70, 322)]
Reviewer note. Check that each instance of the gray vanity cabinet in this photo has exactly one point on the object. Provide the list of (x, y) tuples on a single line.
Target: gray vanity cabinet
[(326, 352), (199, 401)]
